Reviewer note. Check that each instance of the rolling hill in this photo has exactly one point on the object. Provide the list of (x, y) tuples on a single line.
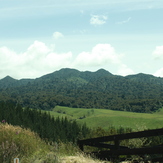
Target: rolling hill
[(105, 118)]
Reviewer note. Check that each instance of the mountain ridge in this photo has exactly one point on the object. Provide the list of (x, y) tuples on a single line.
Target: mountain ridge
[(74, 88), (75, 70)]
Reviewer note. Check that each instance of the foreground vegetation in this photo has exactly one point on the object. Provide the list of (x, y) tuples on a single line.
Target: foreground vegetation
[(16, 142), (45, 145), (50, 137)]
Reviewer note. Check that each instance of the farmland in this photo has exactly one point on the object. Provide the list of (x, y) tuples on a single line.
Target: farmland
[(105, 118)]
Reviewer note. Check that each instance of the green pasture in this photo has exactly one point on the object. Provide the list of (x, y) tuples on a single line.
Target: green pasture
[(105, 118)]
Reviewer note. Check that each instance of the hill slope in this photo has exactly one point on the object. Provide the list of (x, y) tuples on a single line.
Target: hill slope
[(105, 118), (100, 89)]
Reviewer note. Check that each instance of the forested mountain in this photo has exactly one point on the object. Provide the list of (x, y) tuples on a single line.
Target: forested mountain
[(11, 82), (100, 89), (146, 78)]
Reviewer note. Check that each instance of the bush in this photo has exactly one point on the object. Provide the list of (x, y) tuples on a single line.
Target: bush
[(16, 142)]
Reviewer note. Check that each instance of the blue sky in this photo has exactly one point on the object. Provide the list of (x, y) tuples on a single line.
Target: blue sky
[(39, 37)]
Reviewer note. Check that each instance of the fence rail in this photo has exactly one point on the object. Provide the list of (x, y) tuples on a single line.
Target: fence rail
[(116, 150)]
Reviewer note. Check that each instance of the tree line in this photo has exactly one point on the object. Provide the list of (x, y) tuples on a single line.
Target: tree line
[(47, 127)]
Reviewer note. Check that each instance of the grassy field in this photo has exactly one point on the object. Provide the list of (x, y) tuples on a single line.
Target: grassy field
[(105, 118)]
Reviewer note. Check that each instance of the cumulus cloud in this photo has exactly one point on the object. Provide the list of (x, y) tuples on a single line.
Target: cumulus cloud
[(101, 54), (159, 73), (158, 52), (57, 35), (124, 70), (6, 56), (8, 60), (158, 55), (40, 59), (98, 19), (37, 60)]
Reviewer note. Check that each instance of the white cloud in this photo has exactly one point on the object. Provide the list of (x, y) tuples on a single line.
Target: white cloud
[(58, 60), (37, 50), (124, 70), (37, 60), (124, 21), (158, 55), (40, 59), (158, 52), (100, 55), (98, 19), (57, 35), (8, 60), (159, 73)]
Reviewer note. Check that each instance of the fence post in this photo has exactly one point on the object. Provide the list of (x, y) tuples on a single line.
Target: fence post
[(80, 145), (115, 157), (116, 143)]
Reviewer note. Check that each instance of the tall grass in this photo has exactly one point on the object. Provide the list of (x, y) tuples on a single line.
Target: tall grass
[(16, 142)]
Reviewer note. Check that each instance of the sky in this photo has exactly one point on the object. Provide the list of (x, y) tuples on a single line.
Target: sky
[(38, 37)]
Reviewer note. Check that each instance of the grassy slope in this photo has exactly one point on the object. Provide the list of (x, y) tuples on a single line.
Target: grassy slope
[(104, 118)]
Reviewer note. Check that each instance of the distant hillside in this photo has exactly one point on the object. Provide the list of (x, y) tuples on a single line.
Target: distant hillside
[(73, 88), (11, 82), (7, 82), (146, 78)]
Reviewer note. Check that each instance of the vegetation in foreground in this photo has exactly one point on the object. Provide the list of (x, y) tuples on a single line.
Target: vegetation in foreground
[(16, 142), (44, 145)]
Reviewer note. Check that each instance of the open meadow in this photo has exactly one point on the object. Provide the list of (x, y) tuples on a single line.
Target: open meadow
[(106, 118)]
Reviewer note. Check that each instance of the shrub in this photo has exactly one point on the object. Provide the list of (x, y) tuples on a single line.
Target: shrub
[(16, 142)]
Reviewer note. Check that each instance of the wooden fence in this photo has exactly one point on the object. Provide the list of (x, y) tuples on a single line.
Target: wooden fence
[(115, 150)]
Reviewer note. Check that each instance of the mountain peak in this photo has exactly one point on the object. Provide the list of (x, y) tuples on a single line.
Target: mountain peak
[(103, 72), (7, 82), (8, 79), (68, 70), (146, 78), (141, 76)]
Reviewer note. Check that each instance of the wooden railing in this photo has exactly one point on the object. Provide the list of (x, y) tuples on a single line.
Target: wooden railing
[(116, 149)]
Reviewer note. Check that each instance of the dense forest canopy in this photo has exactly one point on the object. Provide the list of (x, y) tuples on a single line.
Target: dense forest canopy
[(73, 88)]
